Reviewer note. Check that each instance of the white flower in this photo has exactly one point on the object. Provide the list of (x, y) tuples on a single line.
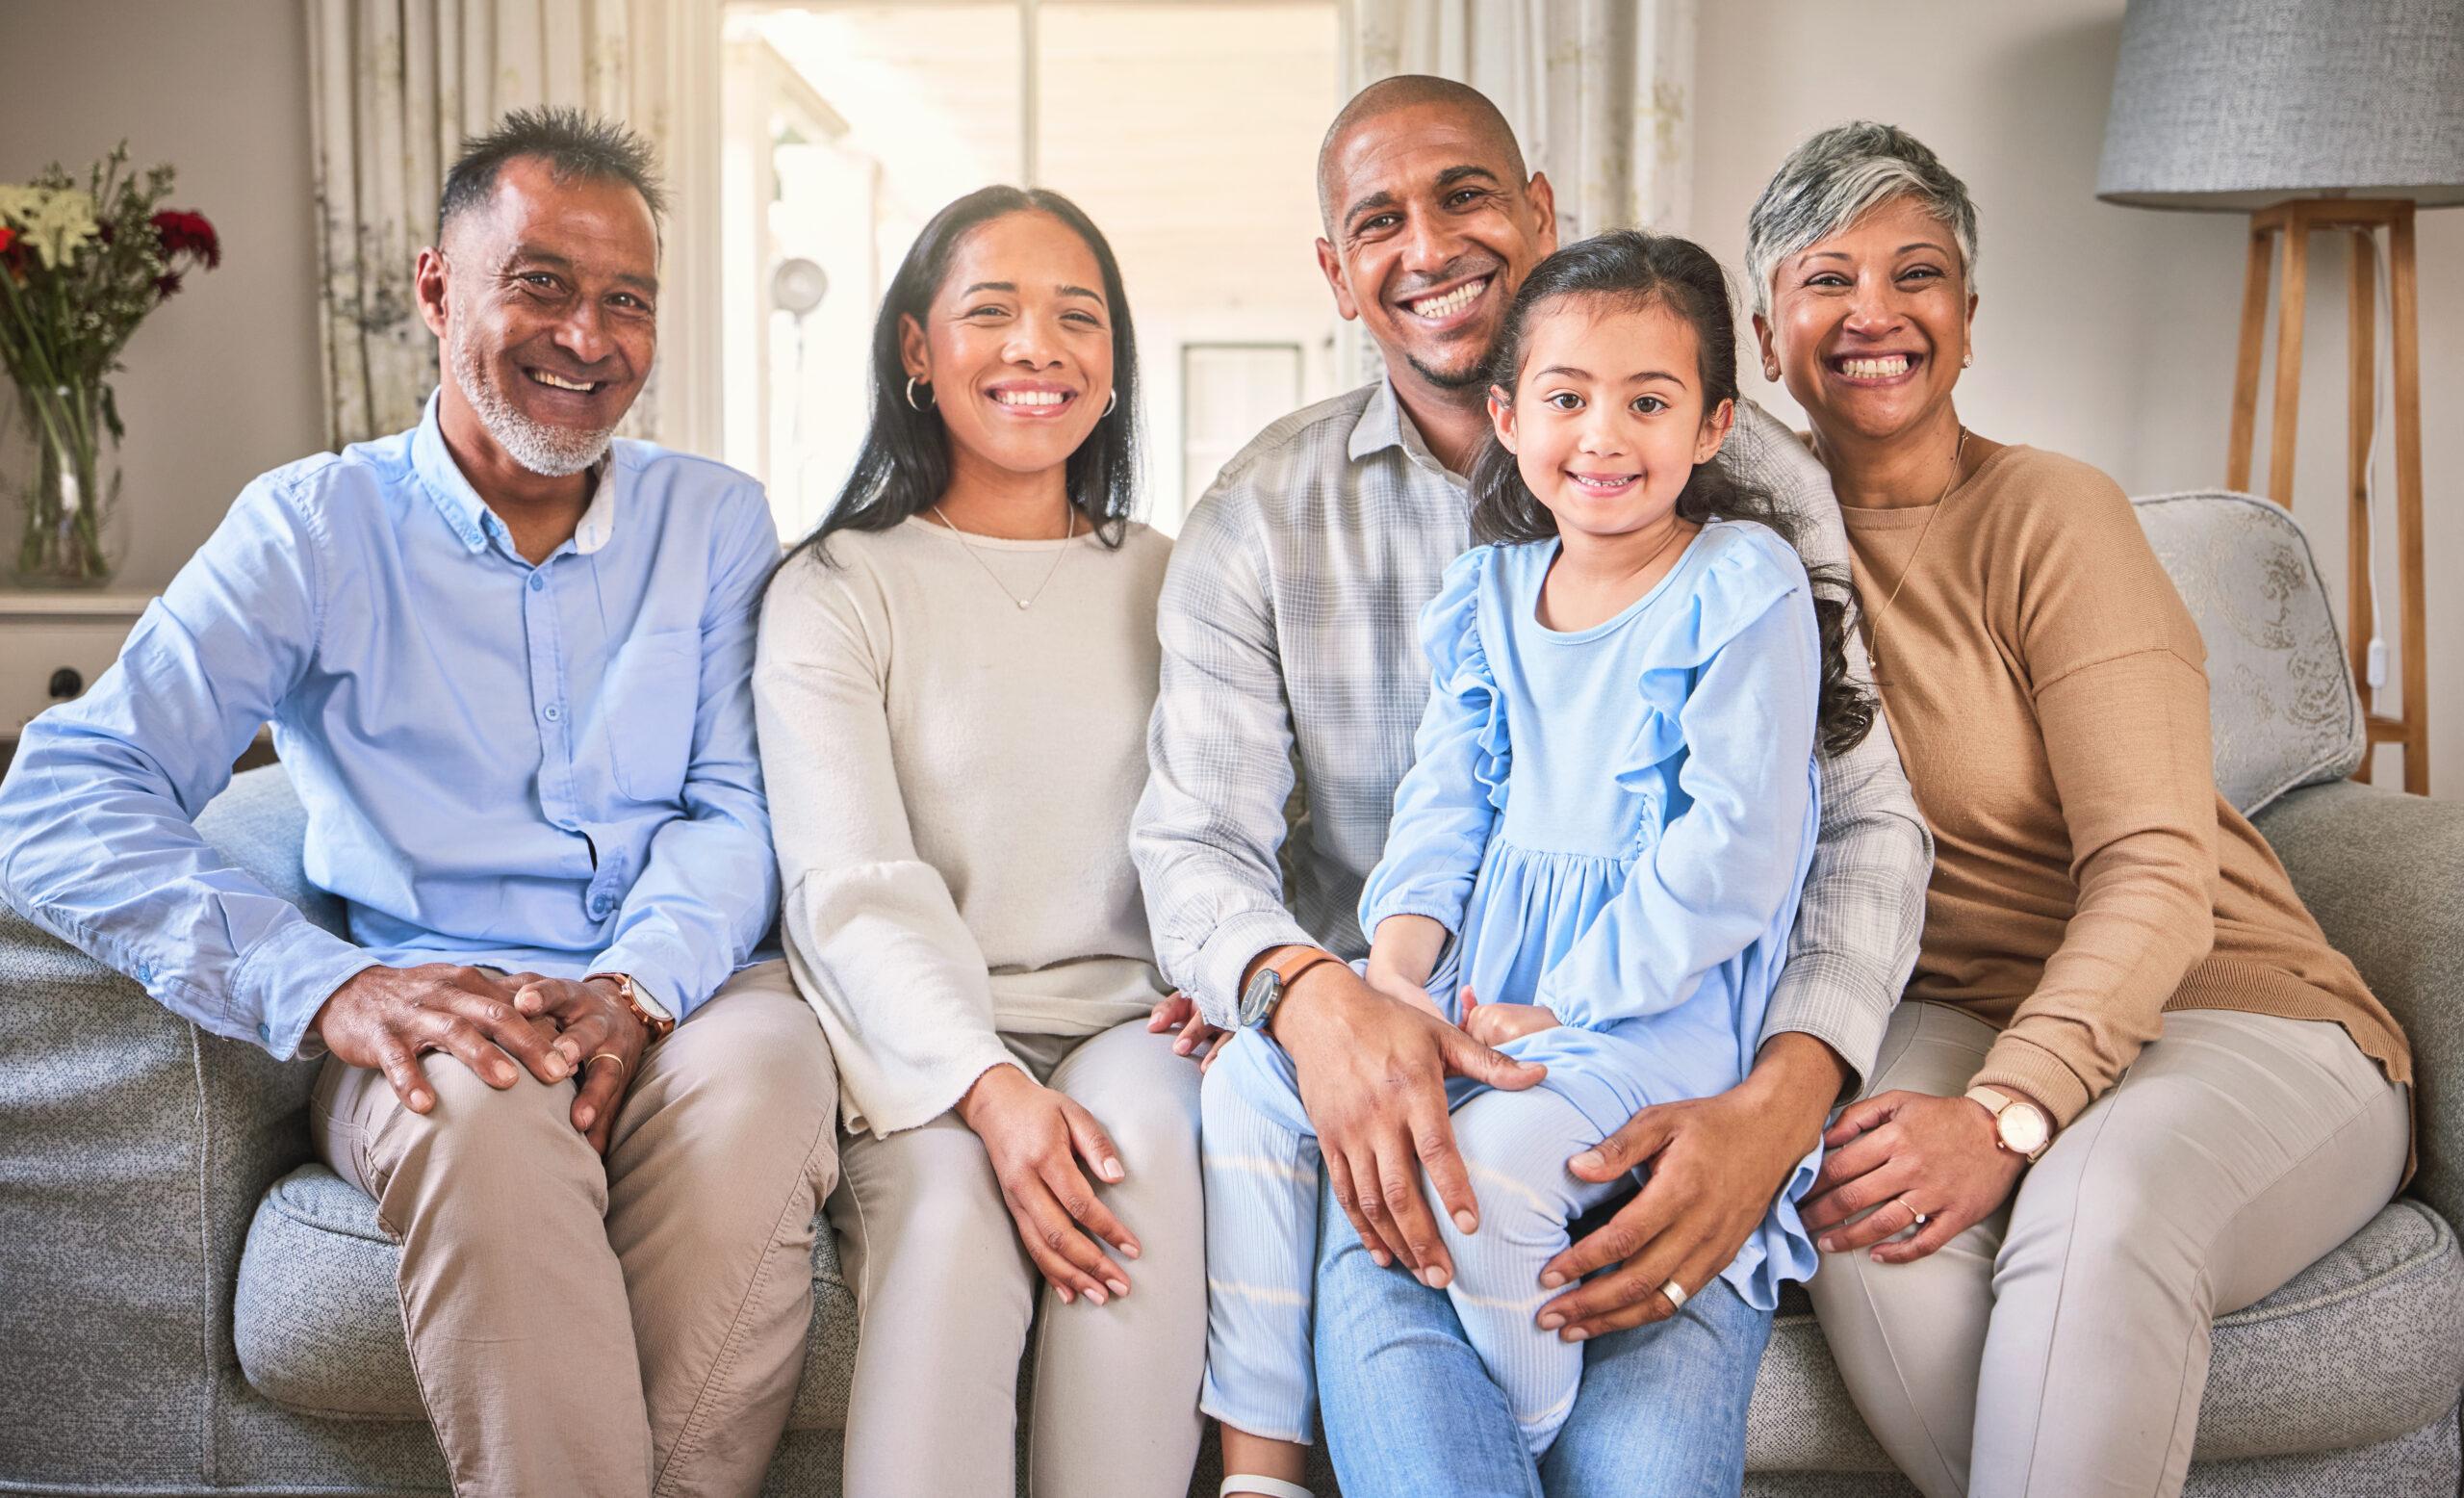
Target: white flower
[(56, 220)]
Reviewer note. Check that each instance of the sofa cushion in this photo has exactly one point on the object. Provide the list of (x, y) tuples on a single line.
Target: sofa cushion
[(2363, 1346), (318, 1328), (2280, 694)]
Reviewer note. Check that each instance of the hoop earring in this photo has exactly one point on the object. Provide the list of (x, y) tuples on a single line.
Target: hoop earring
[(911, 394), (1112, 403)]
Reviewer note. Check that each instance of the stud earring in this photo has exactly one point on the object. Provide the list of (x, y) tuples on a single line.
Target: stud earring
[(1771, 373), (1967, 358)]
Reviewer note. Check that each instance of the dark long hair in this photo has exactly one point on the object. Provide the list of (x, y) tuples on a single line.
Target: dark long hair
[(904, 465), (1629, 268)]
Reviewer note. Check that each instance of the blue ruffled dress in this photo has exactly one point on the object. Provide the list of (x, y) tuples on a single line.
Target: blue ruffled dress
[(1616, 823)]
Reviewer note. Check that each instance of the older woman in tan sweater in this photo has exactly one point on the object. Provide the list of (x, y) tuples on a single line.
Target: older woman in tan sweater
[(2131, 1087)]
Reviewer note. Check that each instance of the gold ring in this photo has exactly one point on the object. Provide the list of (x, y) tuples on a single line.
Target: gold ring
[(605, 1055)]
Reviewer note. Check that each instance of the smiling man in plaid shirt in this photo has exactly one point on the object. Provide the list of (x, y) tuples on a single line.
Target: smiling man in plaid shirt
[(1291, 658)]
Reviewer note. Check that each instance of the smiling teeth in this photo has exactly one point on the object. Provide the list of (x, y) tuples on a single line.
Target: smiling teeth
[(1874, 369), (1618, 481), (1029, 397), (1452, 302), (554, 383)]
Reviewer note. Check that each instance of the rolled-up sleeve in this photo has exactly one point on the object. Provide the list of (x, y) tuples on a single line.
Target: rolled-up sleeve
[(97, 839)]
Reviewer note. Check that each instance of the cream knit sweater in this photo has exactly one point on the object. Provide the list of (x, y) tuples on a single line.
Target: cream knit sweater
[(951, 780)]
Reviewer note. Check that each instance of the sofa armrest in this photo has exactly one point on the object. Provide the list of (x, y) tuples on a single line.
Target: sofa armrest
[(2380, 870)]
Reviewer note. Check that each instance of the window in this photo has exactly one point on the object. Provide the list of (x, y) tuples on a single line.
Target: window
[(1187, 129)]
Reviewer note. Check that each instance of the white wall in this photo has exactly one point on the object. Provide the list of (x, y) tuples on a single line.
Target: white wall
[(222, 381), (2105, 333)]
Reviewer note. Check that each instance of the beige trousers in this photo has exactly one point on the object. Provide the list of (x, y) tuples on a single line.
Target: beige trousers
[(606, 1328), (2059, 1348), (948, 1293)]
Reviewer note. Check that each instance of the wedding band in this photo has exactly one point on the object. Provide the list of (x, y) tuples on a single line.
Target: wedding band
[(598, 1056), (1677, 1295)]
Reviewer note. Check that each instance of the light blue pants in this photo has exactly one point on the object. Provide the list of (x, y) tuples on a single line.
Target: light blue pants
[(1410, 1413), (1262, 1169)]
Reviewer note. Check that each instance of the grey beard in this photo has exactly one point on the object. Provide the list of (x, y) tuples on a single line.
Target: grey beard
[(550, 451)]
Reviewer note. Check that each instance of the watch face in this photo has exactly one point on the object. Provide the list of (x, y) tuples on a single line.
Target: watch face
[(2023, 1130), (1259, 997)]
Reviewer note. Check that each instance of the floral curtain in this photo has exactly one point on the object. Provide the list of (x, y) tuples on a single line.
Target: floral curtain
[(396, 86), (1598, 92)]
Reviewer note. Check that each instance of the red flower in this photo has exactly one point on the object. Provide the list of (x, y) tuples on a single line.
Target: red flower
[(190, 235), (7, 236)]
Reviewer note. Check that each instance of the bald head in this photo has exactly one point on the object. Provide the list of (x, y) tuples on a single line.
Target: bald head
[(1390, 96)]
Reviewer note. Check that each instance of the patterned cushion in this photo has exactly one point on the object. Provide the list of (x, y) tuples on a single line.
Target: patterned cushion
[(2363, 1346), (319, 1328), (2280, 693)]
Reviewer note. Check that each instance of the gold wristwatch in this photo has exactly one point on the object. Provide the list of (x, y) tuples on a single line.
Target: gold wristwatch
[(649, 1011), (2019, 1126)]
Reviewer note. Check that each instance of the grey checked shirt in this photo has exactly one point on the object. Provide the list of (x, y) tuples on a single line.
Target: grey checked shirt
[(1293, 682)]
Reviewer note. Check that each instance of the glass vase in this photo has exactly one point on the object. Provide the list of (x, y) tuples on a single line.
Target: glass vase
[(62, 472)]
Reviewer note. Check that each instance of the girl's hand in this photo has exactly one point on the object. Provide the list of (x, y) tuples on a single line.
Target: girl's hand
[(1494, 1024), (1903, 1154), (1198, 1037), (1035, 1137)]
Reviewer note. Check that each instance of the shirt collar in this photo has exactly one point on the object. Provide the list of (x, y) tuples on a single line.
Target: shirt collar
[(469, 516), (1384, 424)]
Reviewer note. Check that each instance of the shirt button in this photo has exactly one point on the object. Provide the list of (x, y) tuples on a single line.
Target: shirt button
[(538, 582), (551, 712), (265, 1033)]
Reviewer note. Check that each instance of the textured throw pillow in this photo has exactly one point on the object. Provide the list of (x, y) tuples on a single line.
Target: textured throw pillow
[(2280, 695)]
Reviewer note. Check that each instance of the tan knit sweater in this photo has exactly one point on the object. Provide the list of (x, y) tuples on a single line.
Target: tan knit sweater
[(2048, 692)]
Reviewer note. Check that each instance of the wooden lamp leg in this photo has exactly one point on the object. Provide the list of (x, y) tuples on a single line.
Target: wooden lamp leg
[(2407, 392), (2246, 378), (2361, 414)]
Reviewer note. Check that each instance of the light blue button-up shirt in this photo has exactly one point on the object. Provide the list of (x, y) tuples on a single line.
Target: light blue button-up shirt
[(548, 768)]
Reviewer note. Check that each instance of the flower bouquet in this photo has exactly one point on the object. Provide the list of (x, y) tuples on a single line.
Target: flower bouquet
[(80, 268)]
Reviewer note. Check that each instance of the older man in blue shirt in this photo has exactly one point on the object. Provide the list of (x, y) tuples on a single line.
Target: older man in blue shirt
[(506, 660)]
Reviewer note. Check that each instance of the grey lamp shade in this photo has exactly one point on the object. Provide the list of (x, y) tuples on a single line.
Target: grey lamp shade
[(2231, 105)]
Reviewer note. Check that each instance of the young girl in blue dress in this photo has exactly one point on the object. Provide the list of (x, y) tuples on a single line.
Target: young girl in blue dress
[(1596, 856)]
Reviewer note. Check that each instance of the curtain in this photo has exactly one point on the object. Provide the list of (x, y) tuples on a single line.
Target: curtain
[(395, 86), (1598, 92)]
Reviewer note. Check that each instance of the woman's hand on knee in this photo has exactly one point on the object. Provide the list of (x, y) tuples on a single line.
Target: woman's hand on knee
[(1036, 1136), (1908, 1160), (1197, 1038)]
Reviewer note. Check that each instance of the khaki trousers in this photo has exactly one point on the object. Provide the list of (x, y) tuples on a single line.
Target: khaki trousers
[(2059, 1348), (948, 1295), (608, 1327)]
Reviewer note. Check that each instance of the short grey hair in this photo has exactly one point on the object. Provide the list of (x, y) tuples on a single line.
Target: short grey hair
[(1838, 176)]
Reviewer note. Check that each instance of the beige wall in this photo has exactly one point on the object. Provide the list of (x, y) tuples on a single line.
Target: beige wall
[(221, 381), (2107, 333)]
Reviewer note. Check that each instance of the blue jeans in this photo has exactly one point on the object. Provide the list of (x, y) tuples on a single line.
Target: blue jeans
[(1410, 1413)]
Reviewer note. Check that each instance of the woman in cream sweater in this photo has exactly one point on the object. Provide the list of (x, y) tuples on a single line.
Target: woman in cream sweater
[(953, 688), (2132, 1088)]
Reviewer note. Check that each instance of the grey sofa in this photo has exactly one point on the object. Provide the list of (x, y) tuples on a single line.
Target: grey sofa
[(190, 1304)]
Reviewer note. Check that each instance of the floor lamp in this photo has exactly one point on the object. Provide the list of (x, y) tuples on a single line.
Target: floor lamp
[(2313, 118)]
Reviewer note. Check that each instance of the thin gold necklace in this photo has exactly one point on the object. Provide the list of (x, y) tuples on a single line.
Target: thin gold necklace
[(1069, 518), (1874, 631)]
